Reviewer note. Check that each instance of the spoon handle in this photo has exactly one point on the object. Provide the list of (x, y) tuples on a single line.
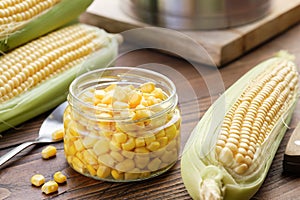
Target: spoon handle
[(15, 151)]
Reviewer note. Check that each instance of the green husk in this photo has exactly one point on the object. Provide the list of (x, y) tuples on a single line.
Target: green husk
[(53, 91), (203, 176), (60, 14)]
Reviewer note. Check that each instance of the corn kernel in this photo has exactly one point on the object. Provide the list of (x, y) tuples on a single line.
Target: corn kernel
[(126, 165), (128, 154), (48, 152), (158, 93), (101, 147), (50, 187), (103, 171), (171, 132), (91, 170), (58, 134), (89, 157), (134, 99), (147, 87), (163, 141), (78, 145), (141, 161), (154, 164), (116, 156), (129, 145), (150, 139), (140, 142), (99, 94), (160, 134), (117, 175), (120, 137), (59, 177), (141, 150), (107, 160), (37, 180), (131, 176), (110, 87), (153, 146)]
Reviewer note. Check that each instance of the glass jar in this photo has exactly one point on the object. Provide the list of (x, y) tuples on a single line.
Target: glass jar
[(122, 124)]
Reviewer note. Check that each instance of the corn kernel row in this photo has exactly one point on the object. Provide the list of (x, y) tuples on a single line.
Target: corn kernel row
[(113, 149)]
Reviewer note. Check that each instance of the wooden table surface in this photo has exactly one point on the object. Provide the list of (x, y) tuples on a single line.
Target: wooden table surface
[(194, 100)]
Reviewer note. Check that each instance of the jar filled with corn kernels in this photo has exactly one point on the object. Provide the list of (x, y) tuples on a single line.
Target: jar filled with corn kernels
[(122, 124)]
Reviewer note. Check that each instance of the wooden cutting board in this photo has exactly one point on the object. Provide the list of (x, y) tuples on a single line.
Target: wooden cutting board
[(222, 46)]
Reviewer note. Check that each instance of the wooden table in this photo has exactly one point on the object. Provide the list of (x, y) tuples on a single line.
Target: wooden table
[(194, 101)]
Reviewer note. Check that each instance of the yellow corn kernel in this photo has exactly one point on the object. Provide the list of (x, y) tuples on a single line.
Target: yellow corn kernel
[(114, 146), (153, 146), (131, 175), (78, 145), (99, 94), (116, 156), (37, 180), (150, 139), (50, 187), (89, 140), (110, 87), (70, 150), (134, 99), (77, 163), (101, 147), (140, 114), (141, 161), (107, 160), (160, 134), (79, 155), (154, 164), (119, 137), (163, 141), (59, 177), (89, 157), (169, 156), (144, 175), (58, 134), (158, 93), (117, 175), (141, 150), (140, 142), (103, 171), (147, 87), (128, 154), (92, 171), (128, 145), (48, 152), (73, 130), (126, 165), (171, 132)]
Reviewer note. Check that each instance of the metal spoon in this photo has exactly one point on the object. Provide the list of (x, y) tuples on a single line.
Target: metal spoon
[(52, 123)]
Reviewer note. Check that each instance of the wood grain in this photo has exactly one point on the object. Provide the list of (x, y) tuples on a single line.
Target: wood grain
[(222, 46), (15, 175)]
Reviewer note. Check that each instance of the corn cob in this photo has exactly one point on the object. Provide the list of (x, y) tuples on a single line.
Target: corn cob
[(35, 77), (229, 157), (24, 20)]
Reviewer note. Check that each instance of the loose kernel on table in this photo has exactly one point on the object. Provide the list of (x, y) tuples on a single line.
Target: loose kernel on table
[(48, 152), (50, 187), (59, 177), (58, 135), (37, 180)]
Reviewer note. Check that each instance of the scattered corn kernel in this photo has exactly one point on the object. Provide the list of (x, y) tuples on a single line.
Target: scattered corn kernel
[(58, 134), (59, 177), (50, 187), (48, 152), (37, 180)]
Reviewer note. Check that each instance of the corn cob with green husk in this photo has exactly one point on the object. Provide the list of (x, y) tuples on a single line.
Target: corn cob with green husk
[(228, 155), (35, 77), (24, 20)]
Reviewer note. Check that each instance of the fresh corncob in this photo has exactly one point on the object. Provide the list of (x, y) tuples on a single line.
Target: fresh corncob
[(35, 77), (228, 156), (24, 20)]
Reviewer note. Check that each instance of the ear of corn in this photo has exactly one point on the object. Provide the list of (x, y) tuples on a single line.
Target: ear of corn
[(228, 156), (24, 20), (35, 77)]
